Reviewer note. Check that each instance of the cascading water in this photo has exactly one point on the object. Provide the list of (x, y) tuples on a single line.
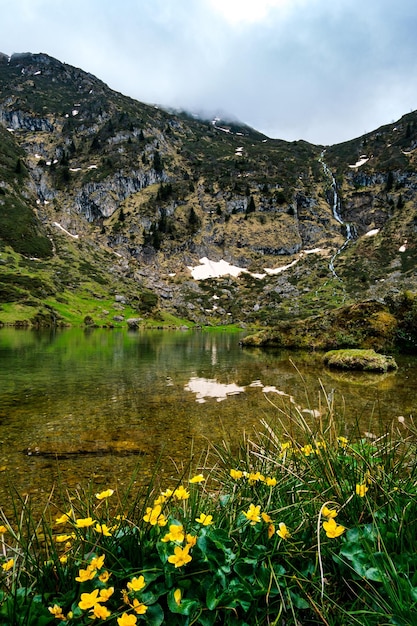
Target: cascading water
[(349, 228)]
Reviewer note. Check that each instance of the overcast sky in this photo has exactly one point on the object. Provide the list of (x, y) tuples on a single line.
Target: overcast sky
[(321, 70)]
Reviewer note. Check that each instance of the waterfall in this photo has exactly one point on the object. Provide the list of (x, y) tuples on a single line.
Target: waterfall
[(350, 230)]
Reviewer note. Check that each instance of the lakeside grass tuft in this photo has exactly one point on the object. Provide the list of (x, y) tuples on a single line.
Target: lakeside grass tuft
[(305, 524)]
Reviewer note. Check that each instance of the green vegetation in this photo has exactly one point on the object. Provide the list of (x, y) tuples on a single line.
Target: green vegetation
[(309, 523), (366, 360)]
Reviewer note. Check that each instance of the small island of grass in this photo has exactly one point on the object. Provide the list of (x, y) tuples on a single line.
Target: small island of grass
[(364, 360)]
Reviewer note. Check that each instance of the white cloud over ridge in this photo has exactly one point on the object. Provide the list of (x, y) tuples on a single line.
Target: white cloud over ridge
[(317, 70)]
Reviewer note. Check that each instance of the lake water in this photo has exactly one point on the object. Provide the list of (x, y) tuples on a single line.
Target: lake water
[(79, 406)]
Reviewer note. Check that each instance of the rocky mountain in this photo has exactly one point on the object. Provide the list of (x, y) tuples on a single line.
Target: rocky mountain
[(107, 206)]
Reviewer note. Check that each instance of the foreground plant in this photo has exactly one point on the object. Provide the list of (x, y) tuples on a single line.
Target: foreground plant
[(304, 525)]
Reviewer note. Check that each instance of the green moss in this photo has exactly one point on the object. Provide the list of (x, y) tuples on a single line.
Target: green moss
[(366, 360)]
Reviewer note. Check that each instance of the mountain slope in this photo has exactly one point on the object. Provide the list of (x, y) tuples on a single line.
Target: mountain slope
[(120, 197)]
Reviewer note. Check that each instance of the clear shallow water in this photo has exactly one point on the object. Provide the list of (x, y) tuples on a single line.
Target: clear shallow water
[(79, 405)]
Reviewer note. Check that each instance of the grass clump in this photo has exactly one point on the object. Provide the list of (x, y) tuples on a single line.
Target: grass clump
[(306, 524), (354, 359)]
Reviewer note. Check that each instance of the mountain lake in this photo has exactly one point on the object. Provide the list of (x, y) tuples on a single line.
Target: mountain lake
[(98, 406)]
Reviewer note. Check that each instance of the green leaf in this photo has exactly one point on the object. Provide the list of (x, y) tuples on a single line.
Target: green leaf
[(298, 601), (154, 615), (185, 607)]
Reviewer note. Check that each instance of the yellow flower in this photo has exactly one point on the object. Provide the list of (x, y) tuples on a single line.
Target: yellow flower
[(99, 611), (3, 530), (254, 477), (63, 559), (283, 531), (236, 474), (197, 479), (97, 562), (103, 529), (154, 516), (138, 607), (266, 518), (104, 576), (285, 446), (329, 513), (84, 522), (104, 494), (176, 533), (85, 574), (63, 519), (127, 620), (136, 584), (177, 596), (271, 482), (180, 557), (271, 531), (343, 442), (62, 538), (181, 493), (204, 519), (88, 600), (105, 594), (307, 450), (8, 565), (191, 540), (361, 490), (332, 529), (56, 611), (253, 514)]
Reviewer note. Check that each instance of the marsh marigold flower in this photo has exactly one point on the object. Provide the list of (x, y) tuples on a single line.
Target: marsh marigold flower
[(103, 529), (3, 529), (181, 493), (139, 607), (204, 519), (283, 531), (176, 533), (332, 529), (271, 530), (181, 556), (97, 562), (104, 576), (361, 490), (56, 611), (177, 596), (62, 538), (136, 584), (65, 517), (104, 494), (86, 574), (236, 474), (343, 442), (253, 514), (88, 600), (191, 540), (270, 482), (197, 479), (154, 516), (100, 612), (329, 513), (8, 565), (105, 594), (84, 522), (127, 620)]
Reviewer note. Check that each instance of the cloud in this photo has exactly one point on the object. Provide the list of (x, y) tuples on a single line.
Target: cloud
[(319, 70)]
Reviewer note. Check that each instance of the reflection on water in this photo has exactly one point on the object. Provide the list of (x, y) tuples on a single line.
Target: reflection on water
[(78, 405), (205, 388)]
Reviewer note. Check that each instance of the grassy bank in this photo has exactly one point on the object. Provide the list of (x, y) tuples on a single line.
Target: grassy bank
[(307, 524)]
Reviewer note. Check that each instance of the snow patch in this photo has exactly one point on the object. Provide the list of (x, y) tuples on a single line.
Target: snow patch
[(362, 160), (65, 231), (372, 232)]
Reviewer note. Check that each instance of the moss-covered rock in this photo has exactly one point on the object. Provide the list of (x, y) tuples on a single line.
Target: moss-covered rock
[(366, 360)]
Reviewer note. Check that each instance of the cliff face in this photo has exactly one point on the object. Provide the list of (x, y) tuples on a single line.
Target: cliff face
[(158, 190)]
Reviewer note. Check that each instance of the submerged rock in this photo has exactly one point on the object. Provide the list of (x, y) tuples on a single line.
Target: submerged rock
[(366, 360)]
